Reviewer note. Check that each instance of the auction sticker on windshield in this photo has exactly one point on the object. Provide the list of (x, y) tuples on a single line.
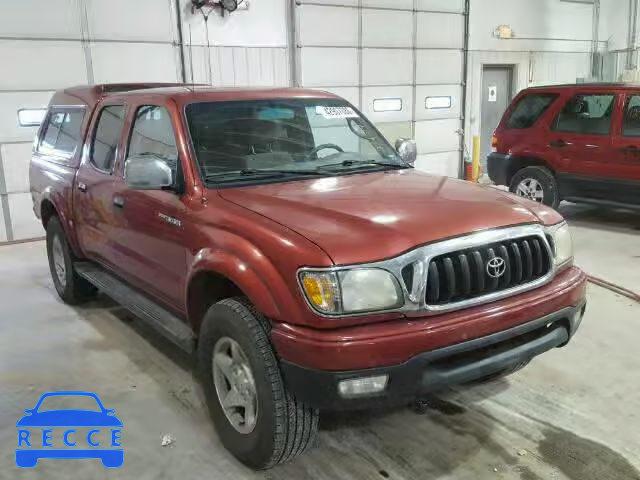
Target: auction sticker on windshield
[(336, 112)]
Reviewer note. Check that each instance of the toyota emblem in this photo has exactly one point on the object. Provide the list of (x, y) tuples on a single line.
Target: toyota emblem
[(496, 267)]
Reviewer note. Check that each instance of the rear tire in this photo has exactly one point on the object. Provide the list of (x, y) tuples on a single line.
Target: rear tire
[(537, 184), (71, 287), (282, 427)]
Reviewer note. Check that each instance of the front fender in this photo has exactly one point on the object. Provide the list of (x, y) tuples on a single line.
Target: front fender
[(258, 278), (63, 209)]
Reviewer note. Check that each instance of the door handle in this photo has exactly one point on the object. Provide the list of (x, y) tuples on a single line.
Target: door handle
[(82, 187), (631, 149), (558, 143), (118, 202)]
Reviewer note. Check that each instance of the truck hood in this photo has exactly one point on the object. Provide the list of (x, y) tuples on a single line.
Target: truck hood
[(371, 216)]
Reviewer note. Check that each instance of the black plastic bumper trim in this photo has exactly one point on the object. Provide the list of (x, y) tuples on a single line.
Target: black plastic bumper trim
[(498, 167), (437, 369)]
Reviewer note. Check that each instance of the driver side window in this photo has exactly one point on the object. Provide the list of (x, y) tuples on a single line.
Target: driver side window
[(152, 135)]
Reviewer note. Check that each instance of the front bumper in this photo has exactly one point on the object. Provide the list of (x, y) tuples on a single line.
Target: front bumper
[(498, 168), (436, 369)]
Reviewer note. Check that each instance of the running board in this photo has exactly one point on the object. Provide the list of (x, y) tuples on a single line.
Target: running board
[(147, 310)]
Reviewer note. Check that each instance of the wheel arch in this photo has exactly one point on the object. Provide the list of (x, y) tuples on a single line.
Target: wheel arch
[(518, 162), (52, 205), (219, 275)]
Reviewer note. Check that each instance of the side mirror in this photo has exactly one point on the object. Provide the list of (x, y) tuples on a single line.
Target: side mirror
[(148, 172), (407, 149)]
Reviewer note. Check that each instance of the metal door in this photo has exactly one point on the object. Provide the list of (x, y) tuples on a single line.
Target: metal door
[(497, 92)]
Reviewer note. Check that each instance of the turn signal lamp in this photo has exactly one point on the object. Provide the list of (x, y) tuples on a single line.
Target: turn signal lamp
[(494, 143), (321, 290)]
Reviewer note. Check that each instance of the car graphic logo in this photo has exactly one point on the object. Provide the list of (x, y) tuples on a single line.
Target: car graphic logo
[(36, 433), (496, 267)]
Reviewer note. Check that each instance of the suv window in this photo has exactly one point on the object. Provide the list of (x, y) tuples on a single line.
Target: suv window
[(631, 121), (153, 134), (529, 109), (61, 134), (107, 137), (587, 114)]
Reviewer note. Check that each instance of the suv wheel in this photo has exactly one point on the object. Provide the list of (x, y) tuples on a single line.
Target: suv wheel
[(258, 420), (71, 288), (537, 184)]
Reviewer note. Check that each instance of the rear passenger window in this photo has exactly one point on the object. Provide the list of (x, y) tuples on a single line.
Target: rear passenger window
[(61, 134), (153, 134), (631, 122), (107, 137), (586, 114), (529, 109)]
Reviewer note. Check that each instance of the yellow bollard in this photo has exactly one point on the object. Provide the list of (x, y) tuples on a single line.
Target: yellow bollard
[(476, 158)]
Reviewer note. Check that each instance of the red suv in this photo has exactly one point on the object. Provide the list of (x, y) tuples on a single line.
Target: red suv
[(579, 143), (281, 237)]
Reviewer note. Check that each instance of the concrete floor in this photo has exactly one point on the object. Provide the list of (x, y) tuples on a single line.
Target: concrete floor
[(573, 414)]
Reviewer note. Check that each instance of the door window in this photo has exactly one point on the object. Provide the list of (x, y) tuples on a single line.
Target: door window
[(631, 121), (61, 134), (153, 134), (586, 114), (105, 142), (529, 109)]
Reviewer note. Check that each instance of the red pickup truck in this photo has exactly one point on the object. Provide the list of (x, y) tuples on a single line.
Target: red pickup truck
[(277, 235)]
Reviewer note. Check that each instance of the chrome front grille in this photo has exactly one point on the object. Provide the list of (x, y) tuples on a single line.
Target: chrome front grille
[(483, 270), (453, 274)]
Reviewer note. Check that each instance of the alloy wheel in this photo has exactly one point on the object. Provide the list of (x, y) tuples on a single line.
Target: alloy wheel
[(235, 385), (532, 189), (59, 265)]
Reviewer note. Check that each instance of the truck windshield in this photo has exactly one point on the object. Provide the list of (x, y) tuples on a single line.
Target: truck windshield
[(268, 140)]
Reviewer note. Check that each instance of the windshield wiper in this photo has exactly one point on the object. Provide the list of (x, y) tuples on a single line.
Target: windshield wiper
[(252, 172), (360, 163)]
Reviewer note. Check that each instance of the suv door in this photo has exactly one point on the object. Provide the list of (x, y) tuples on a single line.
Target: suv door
[(624, 169), (149, 229), (580, 139), (93, 204)]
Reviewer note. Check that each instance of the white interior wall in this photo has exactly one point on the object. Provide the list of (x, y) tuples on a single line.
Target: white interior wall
[(614, 23), (246, 48), (71, 42), (387, 49), (83, 41), (552, 45)]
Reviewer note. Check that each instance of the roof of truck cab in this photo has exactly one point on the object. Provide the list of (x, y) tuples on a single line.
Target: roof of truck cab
[(92, 94)]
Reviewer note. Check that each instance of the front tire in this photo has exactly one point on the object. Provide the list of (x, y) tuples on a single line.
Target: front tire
[(71, 287), (258, 420), (537, 184)]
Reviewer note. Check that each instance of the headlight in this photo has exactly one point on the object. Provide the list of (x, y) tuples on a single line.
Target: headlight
[(562, 243), (356, 290)]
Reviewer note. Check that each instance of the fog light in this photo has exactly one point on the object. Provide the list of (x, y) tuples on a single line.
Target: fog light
[(362, 386)]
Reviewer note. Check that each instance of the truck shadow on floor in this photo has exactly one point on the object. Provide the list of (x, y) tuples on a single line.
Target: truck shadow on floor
[(612, 219), (430, 440), (459, 437)]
